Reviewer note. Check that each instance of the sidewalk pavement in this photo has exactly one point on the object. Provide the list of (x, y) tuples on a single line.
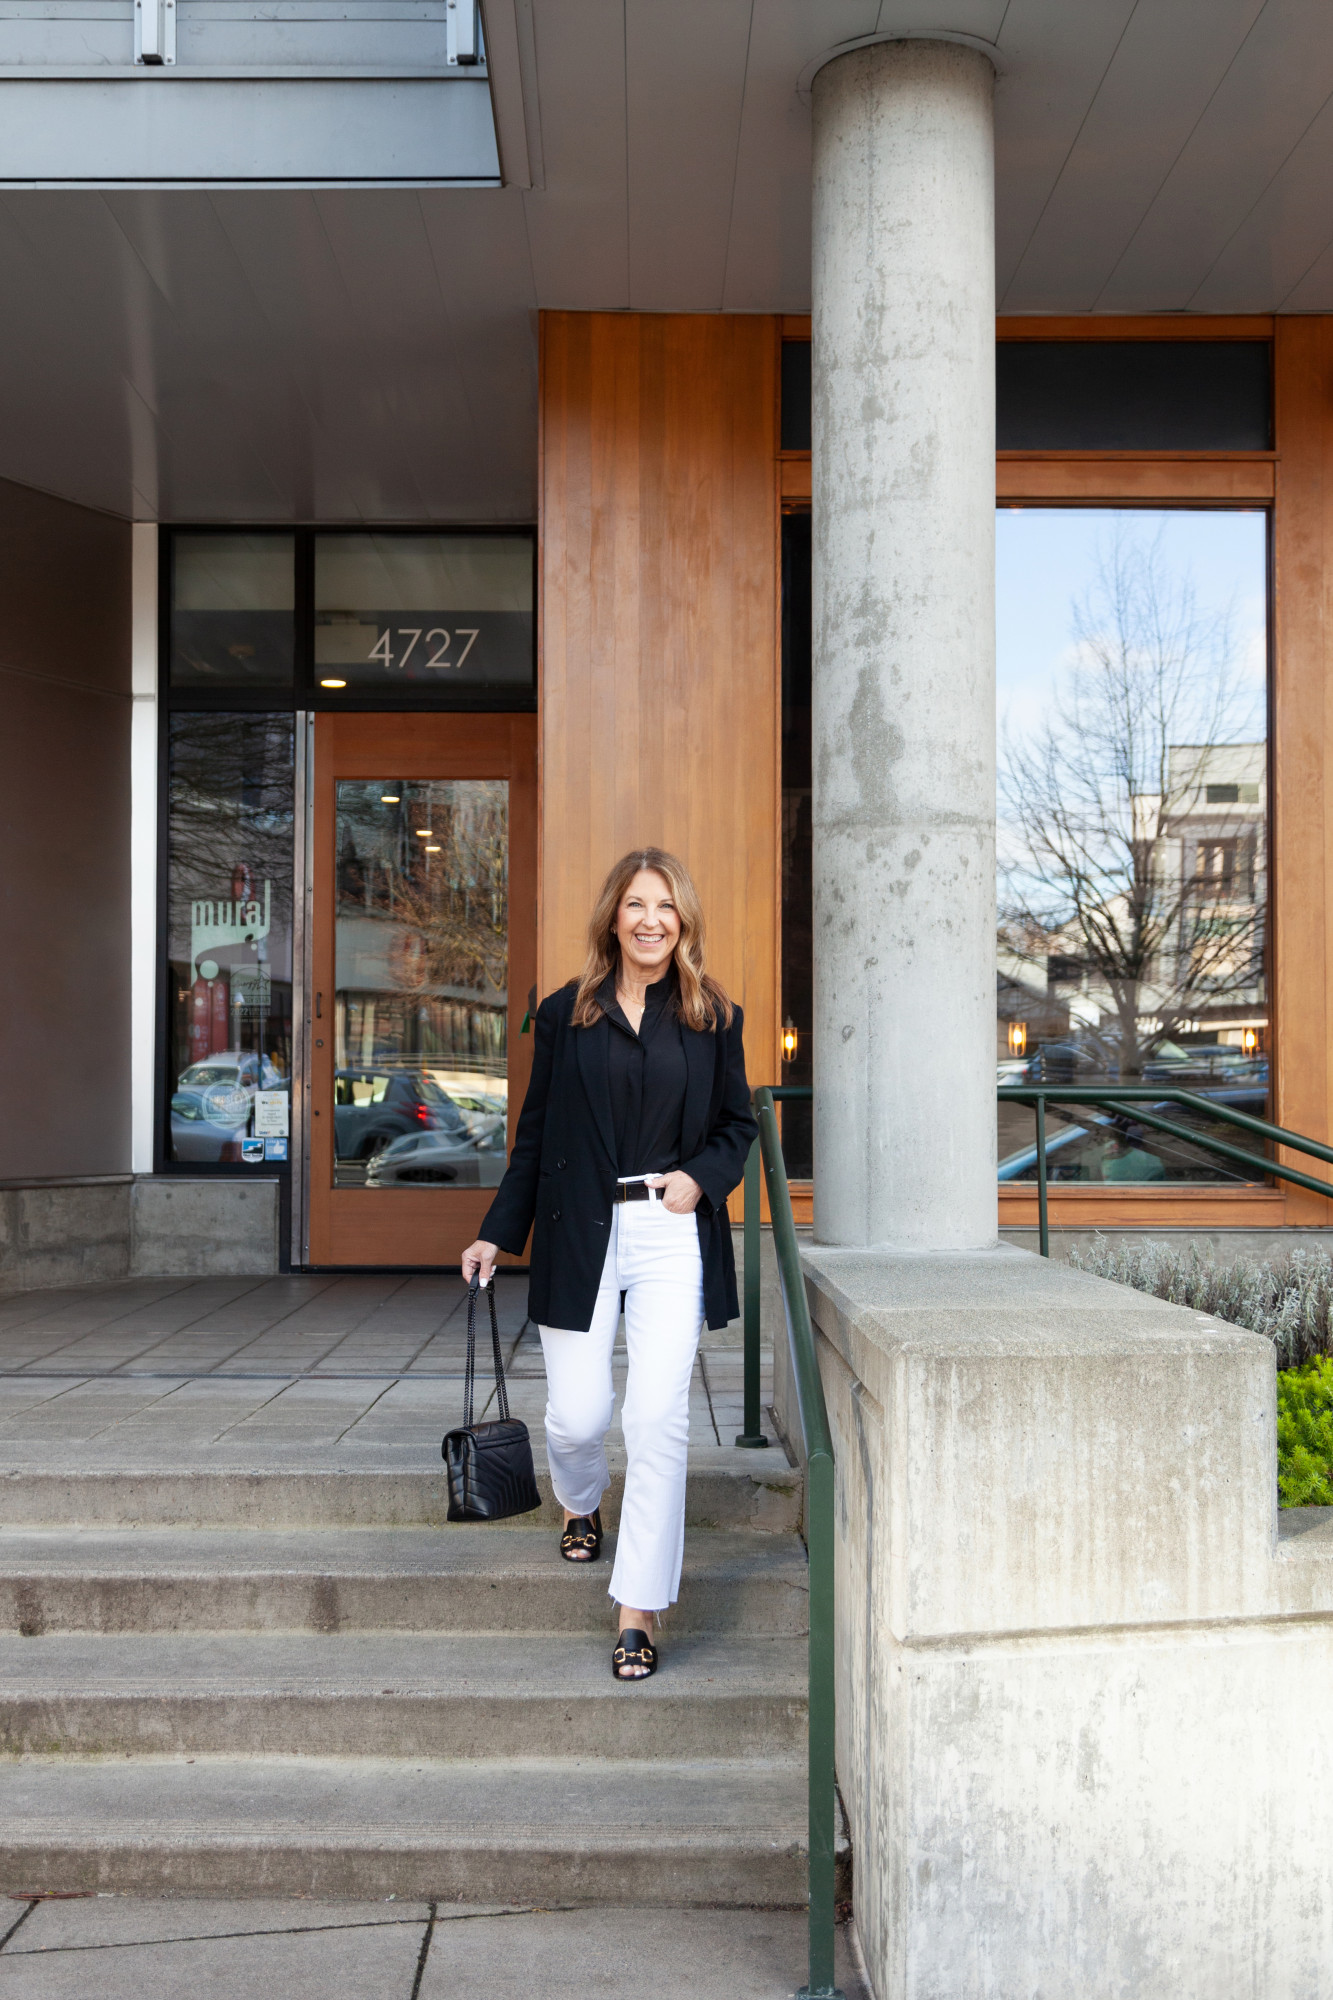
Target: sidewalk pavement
[(131, 1948)]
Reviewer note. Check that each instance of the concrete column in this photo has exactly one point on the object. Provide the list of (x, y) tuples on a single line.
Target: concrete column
[(904, 648)]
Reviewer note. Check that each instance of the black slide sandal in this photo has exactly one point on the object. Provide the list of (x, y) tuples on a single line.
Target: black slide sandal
[(634, 1649), (581, 1541)]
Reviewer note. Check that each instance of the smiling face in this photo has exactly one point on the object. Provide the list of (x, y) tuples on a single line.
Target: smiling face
[(647, 926)]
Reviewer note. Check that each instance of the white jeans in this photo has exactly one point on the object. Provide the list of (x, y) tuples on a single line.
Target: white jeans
[(653, 1257)]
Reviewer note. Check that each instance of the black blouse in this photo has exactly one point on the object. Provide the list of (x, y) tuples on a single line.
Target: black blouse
[(647, 1076)]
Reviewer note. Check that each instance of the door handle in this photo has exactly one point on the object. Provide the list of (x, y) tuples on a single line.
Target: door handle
[(319, 1006)]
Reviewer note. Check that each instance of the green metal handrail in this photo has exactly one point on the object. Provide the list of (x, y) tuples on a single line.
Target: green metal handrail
[(817, 1443), (1039, 1095)]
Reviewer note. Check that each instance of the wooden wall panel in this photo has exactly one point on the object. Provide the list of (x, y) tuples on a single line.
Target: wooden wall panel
[(659, 589), (1302, 892)]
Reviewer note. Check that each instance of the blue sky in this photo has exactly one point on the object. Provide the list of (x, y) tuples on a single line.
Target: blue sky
[(1046, 558)]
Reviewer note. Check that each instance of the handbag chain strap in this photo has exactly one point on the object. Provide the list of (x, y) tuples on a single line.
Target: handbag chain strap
[(502, 1393)]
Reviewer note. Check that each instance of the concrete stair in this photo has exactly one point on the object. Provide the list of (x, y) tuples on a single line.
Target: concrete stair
[(728, 1489), (399, 1695), (286, 1682), (494, 1831), (464, 1579)]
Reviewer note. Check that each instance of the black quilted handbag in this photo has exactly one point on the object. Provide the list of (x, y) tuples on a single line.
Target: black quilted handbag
[(490, 1465)]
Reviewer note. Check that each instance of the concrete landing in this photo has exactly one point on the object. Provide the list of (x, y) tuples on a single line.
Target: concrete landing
[(297, 1384), (137, 1948)]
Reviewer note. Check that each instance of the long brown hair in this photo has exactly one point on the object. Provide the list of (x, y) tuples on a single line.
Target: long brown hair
[(700, 1001)]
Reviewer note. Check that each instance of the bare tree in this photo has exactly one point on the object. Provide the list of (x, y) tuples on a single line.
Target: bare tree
[(1130, 850)]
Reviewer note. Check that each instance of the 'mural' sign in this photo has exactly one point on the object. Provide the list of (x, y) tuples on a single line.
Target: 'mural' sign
[(213, 925)]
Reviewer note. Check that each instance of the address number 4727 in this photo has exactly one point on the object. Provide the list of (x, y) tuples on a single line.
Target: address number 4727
[(383, 647)]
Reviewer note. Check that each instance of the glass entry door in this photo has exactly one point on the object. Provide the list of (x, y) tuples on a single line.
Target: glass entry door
[(423, 957)]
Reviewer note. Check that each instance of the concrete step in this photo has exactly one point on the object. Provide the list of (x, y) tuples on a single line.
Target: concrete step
[(725, 1489), (717, 1832), (470, 1579), (399, 1696)]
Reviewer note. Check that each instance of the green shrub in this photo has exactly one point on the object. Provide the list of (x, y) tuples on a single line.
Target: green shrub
[(1305, 1435), (1290, 1299)]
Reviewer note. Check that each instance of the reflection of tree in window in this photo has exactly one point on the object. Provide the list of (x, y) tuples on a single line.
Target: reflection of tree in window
[(1135, 877), (423, 922)]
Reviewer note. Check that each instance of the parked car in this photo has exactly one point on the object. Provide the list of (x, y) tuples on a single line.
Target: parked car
[(371, 1108)]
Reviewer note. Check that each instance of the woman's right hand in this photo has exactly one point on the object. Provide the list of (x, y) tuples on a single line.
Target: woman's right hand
[(481, 1257)]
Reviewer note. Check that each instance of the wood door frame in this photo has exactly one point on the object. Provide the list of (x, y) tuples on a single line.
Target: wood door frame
[(360, 1228)]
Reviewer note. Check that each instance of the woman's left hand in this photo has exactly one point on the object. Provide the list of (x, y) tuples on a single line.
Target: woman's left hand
[(680, 1195)]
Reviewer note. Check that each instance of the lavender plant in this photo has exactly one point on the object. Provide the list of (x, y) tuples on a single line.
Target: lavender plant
[(1288, 1297)]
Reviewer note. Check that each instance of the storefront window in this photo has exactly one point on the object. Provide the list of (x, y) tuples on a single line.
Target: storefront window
[(229, 918), (422, 948), (1133, 828), (429, 614), (233, 611)]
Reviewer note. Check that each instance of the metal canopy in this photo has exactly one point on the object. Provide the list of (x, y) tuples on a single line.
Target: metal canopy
[(370, 354), (164, 93)]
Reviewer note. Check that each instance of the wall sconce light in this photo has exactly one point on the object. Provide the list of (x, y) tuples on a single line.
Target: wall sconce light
[(1249, 1040), (789, 1039), (1018, 1038)]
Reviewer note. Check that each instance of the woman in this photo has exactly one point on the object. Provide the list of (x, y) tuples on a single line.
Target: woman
[(633, 1133)]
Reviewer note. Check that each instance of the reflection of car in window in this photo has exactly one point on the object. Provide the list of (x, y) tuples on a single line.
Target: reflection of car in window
[(213, 1100), (1091, 1143), (371, 1108), (440, 1159)]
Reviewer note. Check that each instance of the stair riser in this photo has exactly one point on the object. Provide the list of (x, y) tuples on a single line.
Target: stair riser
[(695, 1871), (437, 1726), (767, 1498), (36, 1606)]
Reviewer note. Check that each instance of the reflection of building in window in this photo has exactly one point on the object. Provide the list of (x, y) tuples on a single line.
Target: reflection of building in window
[(1213, 837), (1215, 868)]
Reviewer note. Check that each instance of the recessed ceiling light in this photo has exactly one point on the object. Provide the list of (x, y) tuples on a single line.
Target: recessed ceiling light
[(432, 850), (333, 684), (389, 798), (425, 833)]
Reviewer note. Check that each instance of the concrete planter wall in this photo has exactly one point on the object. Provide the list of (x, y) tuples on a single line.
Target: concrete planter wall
[(83, 1232), (1082, 1736)]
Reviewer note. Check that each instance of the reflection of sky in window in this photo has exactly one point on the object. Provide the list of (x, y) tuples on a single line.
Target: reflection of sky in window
[(1046, 560)]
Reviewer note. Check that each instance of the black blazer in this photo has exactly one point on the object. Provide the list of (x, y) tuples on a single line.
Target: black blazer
[(562, 1171)]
